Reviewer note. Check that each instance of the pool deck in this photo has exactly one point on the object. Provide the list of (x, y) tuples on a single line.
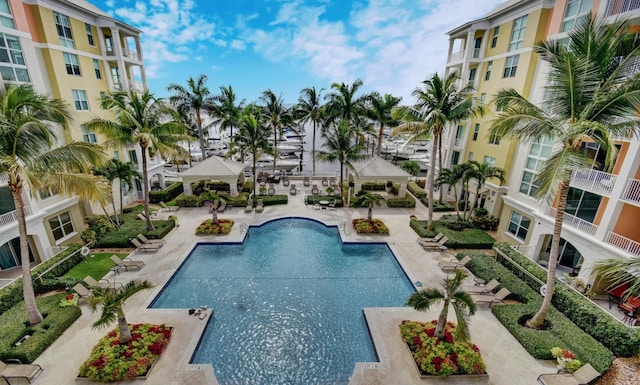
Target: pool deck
[(507, 362)]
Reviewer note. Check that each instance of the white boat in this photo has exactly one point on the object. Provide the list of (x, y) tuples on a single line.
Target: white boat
[(286, 147), (216, 146), (266, 162)]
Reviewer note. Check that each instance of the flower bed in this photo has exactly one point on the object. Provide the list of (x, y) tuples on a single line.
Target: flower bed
[(208, 227), (112, 361), (440, 358), (362, 226)]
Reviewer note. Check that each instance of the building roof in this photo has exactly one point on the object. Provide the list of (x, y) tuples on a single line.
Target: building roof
[(215, 167), (89, 7), (378, 167)]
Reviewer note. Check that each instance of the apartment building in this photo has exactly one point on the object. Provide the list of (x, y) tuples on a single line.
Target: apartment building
[(75, 52), (603, 209)]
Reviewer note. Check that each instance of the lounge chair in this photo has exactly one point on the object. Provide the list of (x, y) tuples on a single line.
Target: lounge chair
[(145, 247), (315, 190), (431, 246), (325, 181), (168, 208), (260, 206), (482, 289), (332, 182), (491, 298), (82, 291), (453, 265), (332, 205), (249, 207), (285, 181), (271, 191), (19, 371), (293, 190), (142, 217), (437, 238), (582, 376), (147, 241), (305, 181), (126, 263), (102, 283)]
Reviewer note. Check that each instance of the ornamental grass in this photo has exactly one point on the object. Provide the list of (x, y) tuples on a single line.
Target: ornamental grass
[(209, 227), (362, 226)]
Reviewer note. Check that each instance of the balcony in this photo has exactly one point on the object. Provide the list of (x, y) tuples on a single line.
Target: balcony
[(632, 191), (133, 55), (616, 7), (573, 221), (11, 217), (629, 245), (476, 53), (456, 57), (594, 181)]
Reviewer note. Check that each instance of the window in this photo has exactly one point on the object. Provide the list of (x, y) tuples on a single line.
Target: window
[(80, 100), (517, 35), (539, 152), (476, 130), (61, 226), (476, 47), (528, 184), (6, 19), (115, 74), (63, 26), (71, 62), (89, 136), (519, 225), (47, 192), (487, 73), (483, 98), (471, 156), (459, 135), (133, 157), (96, 66), (89, 34), (455, 158), (116, 154), (472, 76), (494, 139), (510, 66), (574, 11), (12, 65), (490, 160), (494, 39)]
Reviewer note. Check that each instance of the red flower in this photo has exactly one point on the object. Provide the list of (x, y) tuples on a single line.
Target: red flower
[(155, 348), (112, 334), (69, 297)]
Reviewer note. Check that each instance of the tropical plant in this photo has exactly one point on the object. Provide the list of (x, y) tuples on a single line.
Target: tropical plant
[(438, 103), (450, 294), (187, 117), (144, 120), (112, 301), (367, 199), (32, 160), (124, 172), (410, 166), (482, 172), (619, 271), (592, 95), (452, 177), (309, 108), (343, 107), (342, 147), (227, 111), (379, 110), (197, 98), (276, 116)]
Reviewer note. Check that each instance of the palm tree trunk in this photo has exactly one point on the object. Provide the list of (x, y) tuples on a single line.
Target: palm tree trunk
[(255, 179), (432, 171), (440, 165), (33, 314), (538, 319), (455, 197), (370, 213), (123, 327), (214, 210), (121, 198), (145, 184), (275, 148), (379, 150), (200, 134), (442, 321), (313, 149)]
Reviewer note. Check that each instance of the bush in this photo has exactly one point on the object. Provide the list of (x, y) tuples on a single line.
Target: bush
[(459, 225), (166, 195), (416, 190), (362, 226), (187, 200), (374, 186), (489, 223), (208, 227), (422, 183), (395, 187), (480, 211), (270, 200), (132, 226), (100, 224), (408, 201), (467, 239)]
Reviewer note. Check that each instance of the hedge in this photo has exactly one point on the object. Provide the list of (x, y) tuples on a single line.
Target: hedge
[(187, 200), (622, 340), (416, 190), (166, 195), (408, 201), (270, 200), (374, 186), (437, 207), (313, 199)]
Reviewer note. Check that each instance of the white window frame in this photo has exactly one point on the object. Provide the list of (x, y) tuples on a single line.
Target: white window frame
[(494, 39), (96, 67), (583, 8), (80, 100), (12, 61), (494, 139), (72, 64), (518, 32), (518, 224), (6, 18), (63, 28), (89, 136), (62, 226), (90, 39), (511, 66), (487, 72), (539, 152), (476, 132), (490, 160)]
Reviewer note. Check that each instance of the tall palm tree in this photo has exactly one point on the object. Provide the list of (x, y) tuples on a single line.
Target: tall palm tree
[(187, 117), (343, 106), (309, 109), (482, 172), (252, 137), (112, 301), (144, 120), (592, 95), (367, 199), (380, 108), (619, 271), (342, 147), (227, 110), (438, 103), (450, 294), (452, 177), (31, 158), (196, 97), (276, 116)]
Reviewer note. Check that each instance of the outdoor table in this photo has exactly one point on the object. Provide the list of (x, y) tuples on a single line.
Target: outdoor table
[(324, 204)]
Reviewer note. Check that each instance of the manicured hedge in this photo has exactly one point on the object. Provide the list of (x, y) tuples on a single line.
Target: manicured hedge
[(416, 190), (437, 207), (313, 199), (408, 201), (374, 186), (270, 200), (167, 194), (187, 200)]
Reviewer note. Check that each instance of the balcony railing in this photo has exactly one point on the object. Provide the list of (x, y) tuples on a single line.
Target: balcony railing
[(133, 55), (632, 191), (573, 221), (593, 181), (458, 56), (11, 217), (616, 7), (629, 245), (476, 53)]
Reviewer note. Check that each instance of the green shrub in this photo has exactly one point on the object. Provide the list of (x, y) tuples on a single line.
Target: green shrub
[(489, 223), (408, 201), (313, 199), (395, 187), (166, 195), (100, 224), (248, 187), (187, 200), (422, 183), (270, 200), (416, 190), (480, 211), (374, 186)]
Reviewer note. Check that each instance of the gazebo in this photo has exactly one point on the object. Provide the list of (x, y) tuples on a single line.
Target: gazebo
[(214, 168), (377, 169)]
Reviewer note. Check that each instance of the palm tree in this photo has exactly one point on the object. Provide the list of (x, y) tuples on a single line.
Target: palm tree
[(410, 166), (252, 136), (342, 147), (144, 120), (112, 301), (482, 172), (619, 271), (187, 117), (343, 105), (226, 111), (451, 177), (380, 108), (438, 104), (309, 108), (276, 116), (195, 97), (367, 199), (31, 158), (452, 294), (124, 172), (592, 96)]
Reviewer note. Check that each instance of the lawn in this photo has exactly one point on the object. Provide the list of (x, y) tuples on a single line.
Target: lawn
[(97, 266), (465, 239)]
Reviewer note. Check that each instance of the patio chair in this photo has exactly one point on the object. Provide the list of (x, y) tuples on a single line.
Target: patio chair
[(491, 298), (147, 241), (482, 289), (260, 206), (315, 190), (145, 247), (437, 238), (285, 181), (271, 190), (332, 205), (249, 207), (431, 246), (141, 216), (82, 291), (293, 190), (102, 283), (332, 182), (325, 181), (582, 376), (168, 208), (305, 181), (452, 265), (126, 263), (19, 371)]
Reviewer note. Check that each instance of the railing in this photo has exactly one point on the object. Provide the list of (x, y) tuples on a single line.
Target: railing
[(632, 191), (4, 179), (39, 277), (130, 54), (12, 216), (476, 53), (616, 7), (573, 221), (593, 180), (458, 56), (629, 245), (342, 226), (526, 250), (110, 52)]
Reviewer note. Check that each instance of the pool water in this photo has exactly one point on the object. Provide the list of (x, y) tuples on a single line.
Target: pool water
[(288, 303)]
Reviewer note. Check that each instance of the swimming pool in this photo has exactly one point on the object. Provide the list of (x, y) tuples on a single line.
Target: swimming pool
[(288, 303)]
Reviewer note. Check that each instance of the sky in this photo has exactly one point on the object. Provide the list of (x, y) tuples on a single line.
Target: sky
[(287, 45)]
